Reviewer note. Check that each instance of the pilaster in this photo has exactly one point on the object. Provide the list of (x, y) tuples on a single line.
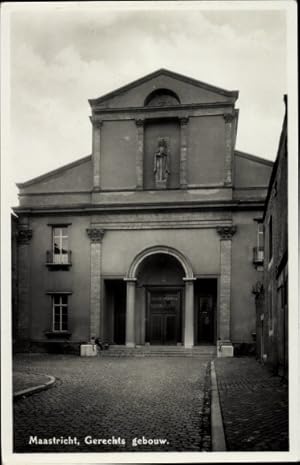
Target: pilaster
[(225, 347), (96, 236), (130, 311), (183, 151), (96, 154), (189, 312), (139, 153), (229, 119)]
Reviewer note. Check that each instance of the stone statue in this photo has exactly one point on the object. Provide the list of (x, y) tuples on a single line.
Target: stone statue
[(161, 163)]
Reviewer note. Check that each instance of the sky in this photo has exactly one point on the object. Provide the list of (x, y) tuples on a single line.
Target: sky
[(62, 55)]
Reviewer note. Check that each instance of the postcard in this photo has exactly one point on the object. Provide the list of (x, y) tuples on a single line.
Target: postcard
[(150, 230)]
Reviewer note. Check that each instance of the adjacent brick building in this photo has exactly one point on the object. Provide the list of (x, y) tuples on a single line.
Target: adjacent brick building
[(272, 293), (149, 240)]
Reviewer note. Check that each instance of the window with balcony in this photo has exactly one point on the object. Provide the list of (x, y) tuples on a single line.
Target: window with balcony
[(258, 251), (60, 254)]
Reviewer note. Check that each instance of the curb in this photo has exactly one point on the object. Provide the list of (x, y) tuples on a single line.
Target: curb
[(217, 430), (29, 391)]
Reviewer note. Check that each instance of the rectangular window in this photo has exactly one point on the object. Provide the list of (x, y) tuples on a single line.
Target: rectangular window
[(60, 312), (270, 238), (60, 244), (258, 251)]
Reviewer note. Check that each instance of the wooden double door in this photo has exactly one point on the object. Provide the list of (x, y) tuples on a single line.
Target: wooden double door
[(163, 320)]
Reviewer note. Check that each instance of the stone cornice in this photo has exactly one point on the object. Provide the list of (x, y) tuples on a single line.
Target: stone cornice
[(24, 236), (142, 206), (50, 194), (167, 109), (95, 234), (97, 123), (226, 232), (160, 224)]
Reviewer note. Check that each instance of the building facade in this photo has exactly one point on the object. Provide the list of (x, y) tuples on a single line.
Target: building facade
[(272, 295), (149, 240)]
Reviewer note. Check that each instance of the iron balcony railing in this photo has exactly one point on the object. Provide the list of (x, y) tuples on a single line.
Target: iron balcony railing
[(59, 259), (258, 255)]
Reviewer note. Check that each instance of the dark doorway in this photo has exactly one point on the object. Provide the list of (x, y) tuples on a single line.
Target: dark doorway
[(120, 313), (205, 314), (163, 322), (115, 310)]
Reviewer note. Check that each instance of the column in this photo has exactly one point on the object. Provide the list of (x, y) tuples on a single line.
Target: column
[(130, 311), (229, 118), (139, 153), (96, 153), (189, 313), (96, 236), (183, 151), (225, 347), (23, 318)]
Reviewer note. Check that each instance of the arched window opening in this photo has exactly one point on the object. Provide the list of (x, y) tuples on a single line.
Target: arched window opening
[(162, 98)]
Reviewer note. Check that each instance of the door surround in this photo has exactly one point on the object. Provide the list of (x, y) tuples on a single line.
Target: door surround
[(188, 280), (165, 315)]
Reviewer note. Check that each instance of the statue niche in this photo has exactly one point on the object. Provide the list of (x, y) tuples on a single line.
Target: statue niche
[(161, 163)]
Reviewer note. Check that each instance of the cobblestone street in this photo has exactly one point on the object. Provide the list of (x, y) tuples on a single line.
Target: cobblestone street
[(254, 406), (105, 398)]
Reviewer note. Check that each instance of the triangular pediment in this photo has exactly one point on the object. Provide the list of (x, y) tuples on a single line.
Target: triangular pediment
[(185, 90)]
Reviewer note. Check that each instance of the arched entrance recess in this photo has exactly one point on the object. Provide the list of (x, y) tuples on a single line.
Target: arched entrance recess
[(188, 279), (133, 269)]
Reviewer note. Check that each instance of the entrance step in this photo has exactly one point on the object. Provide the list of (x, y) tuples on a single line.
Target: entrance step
[(159, 351)]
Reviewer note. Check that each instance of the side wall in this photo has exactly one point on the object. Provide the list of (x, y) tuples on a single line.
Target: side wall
[(250, 171), (244, 276), (276, 269)]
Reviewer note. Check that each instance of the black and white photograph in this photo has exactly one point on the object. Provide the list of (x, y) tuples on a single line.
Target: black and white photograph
[(149, 243)]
